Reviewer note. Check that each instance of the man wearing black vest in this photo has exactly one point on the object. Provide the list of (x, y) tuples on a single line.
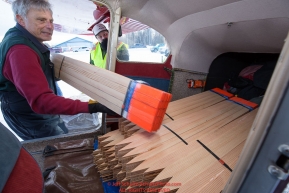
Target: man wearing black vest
[(29, 100)]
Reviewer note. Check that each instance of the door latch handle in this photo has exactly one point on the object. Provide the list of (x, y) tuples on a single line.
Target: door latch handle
[(281, 169), (278, 172)]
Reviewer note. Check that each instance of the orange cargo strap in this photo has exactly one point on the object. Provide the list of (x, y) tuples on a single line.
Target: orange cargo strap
[(248, 104), (223, 93)]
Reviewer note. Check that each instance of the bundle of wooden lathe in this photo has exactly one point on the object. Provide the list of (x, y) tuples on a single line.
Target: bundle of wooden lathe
[(137, 102), (213, 123)]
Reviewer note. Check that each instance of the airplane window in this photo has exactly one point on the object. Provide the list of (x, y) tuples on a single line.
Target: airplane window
[(146, 46)]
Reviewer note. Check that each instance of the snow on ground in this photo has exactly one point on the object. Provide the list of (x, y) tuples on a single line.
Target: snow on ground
[(135, 54), (144, 55)]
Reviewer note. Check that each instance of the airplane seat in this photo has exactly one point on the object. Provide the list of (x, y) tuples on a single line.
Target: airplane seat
[(19, 171)]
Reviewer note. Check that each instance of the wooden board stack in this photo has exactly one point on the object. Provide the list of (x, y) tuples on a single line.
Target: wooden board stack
[(176, 109), (211, 123), (141, 104)]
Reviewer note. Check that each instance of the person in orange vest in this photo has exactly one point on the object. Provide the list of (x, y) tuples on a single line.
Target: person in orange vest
[(98, 53)]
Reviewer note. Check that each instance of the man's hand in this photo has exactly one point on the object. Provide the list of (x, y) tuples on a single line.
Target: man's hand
[(95, 107)]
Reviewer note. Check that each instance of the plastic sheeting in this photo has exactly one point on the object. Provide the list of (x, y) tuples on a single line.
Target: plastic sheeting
[(81, 121)]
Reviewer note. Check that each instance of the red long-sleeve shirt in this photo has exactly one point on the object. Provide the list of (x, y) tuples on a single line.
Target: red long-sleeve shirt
[(22, 67)]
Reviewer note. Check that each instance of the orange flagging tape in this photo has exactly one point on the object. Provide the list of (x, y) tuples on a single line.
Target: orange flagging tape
[(221, 161), (213, 154), (222, 92), (152, 96), (145, 106), (244, 102)]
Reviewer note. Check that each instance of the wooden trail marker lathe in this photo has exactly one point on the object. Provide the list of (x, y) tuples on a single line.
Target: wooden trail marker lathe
[(141, 104), (220, 121)]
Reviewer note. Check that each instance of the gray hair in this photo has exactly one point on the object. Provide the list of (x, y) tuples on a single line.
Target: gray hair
[(21, 7)]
